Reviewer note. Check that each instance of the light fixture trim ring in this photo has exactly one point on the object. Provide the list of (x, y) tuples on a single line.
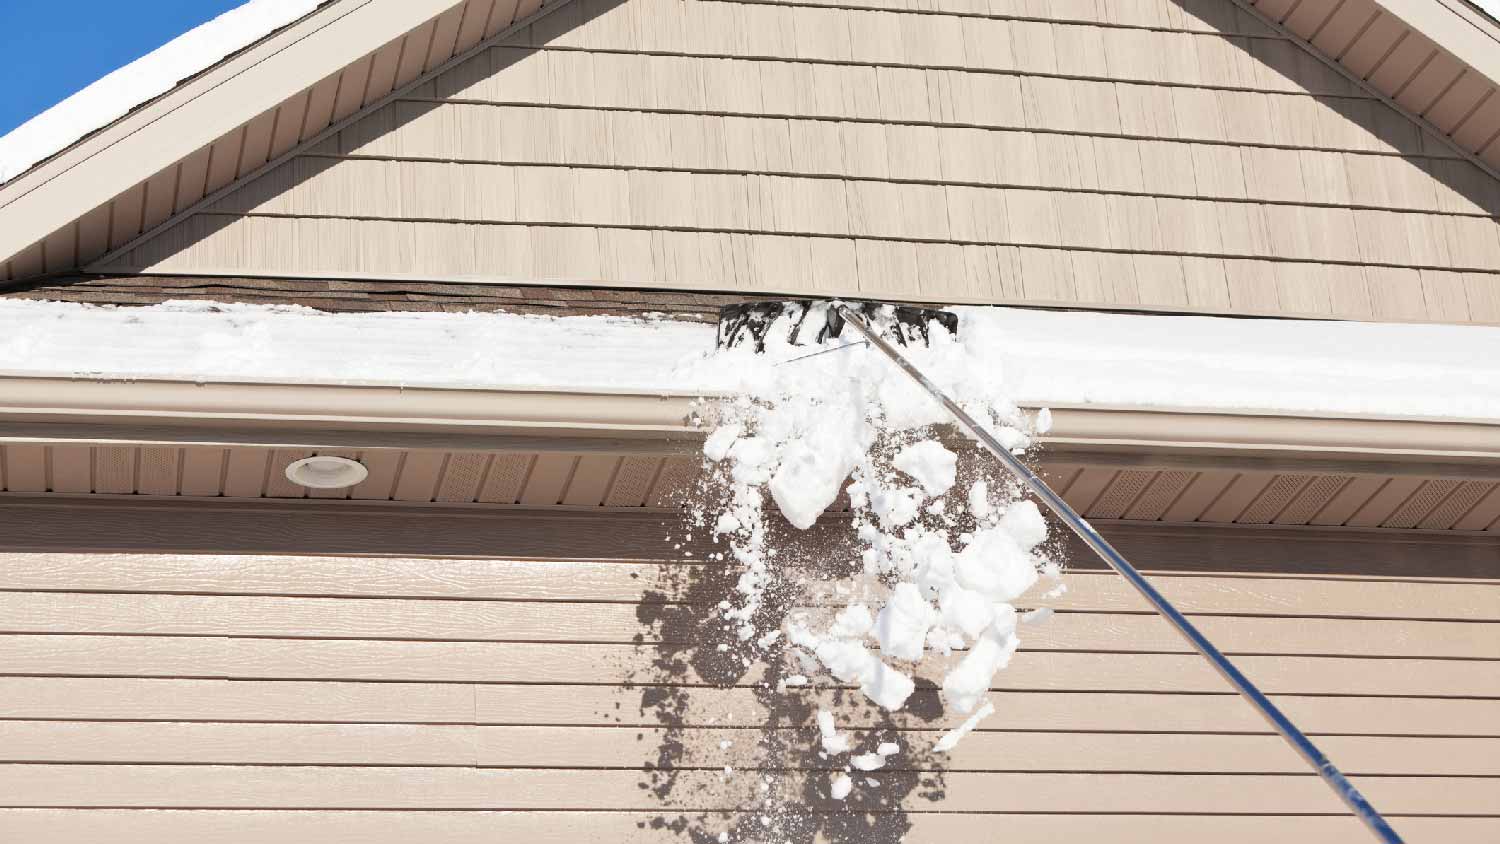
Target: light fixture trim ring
[(326, 471)]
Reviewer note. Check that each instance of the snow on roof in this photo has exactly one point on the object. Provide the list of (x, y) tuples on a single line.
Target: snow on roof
[(148, 77), (1294, 367)]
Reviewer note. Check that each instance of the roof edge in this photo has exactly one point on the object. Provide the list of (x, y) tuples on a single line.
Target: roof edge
[(1470, 39)]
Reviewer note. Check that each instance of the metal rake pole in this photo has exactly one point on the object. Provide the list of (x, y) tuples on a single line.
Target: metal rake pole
[(1278, 721)]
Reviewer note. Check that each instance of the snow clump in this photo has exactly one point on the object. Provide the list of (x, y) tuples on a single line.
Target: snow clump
[(942, 540)]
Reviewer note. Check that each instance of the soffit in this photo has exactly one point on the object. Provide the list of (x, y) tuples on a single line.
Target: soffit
[(623, 451), (1437, 60), (229, 122), (1148, 491)]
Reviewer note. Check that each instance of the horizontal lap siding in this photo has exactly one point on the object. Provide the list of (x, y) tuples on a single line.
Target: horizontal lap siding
[(299, 787), (1201, 164), (255, 698), (353, 827), (344, 618)]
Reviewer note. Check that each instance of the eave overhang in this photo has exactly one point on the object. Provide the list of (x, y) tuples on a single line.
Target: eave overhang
[(1112, 462), (1437, 61)]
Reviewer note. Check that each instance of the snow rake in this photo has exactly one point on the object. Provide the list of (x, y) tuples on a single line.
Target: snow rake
[(880, 324)]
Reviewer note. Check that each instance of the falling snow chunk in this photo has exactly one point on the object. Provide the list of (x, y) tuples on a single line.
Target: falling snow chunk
[(888, 748), (868, 761), (841, 787), (889, 688), (1025, 524), (810, 477), (934, 563), (901, 627), (979, 500), (834, 742), (930, 465), (846, 659), (727, 523), (795, 680), (853, 622), (1004, 623), (966, 610), (951, 738), (717, 446), (995, 565), (970, 679)]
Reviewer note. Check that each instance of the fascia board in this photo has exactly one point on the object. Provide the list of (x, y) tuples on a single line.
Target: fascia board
[(42, 408)]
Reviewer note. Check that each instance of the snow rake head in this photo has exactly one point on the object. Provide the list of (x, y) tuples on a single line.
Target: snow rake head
[(814, 322)]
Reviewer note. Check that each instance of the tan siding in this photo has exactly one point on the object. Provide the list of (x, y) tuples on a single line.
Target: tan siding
[(654, 581), (863, 131), (470, 662), (240, 827), (102, 700), (444, 745), (345, 618), (697, 791), (297, 689)]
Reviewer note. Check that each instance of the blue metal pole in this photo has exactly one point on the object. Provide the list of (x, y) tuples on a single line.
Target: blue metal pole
[(1278, 721)]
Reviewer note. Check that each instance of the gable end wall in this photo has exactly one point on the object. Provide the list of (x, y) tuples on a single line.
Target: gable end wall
[(1164, 155)]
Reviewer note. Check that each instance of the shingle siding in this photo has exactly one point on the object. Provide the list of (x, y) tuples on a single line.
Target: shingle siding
[(1156, 155)]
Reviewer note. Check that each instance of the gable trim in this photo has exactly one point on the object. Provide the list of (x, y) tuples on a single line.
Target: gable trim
[(1461, 36), (103, 166)]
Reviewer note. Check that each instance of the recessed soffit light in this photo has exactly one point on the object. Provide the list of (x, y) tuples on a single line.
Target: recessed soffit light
[(324, 471)]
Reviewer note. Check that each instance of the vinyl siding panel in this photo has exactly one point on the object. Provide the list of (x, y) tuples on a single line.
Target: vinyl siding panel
[(253, 696), (239, 827), (1233, 171)]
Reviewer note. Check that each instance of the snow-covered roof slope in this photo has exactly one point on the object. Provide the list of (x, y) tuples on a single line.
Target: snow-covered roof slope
[(1046, 358), (143, 79)]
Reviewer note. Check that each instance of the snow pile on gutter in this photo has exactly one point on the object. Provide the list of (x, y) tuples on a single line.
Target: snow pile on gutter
[(1057, 359), (143, 79)]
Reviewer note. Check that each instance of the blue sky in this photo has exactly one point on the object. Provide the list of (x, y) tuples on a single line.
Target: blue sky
[(45, 56)]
